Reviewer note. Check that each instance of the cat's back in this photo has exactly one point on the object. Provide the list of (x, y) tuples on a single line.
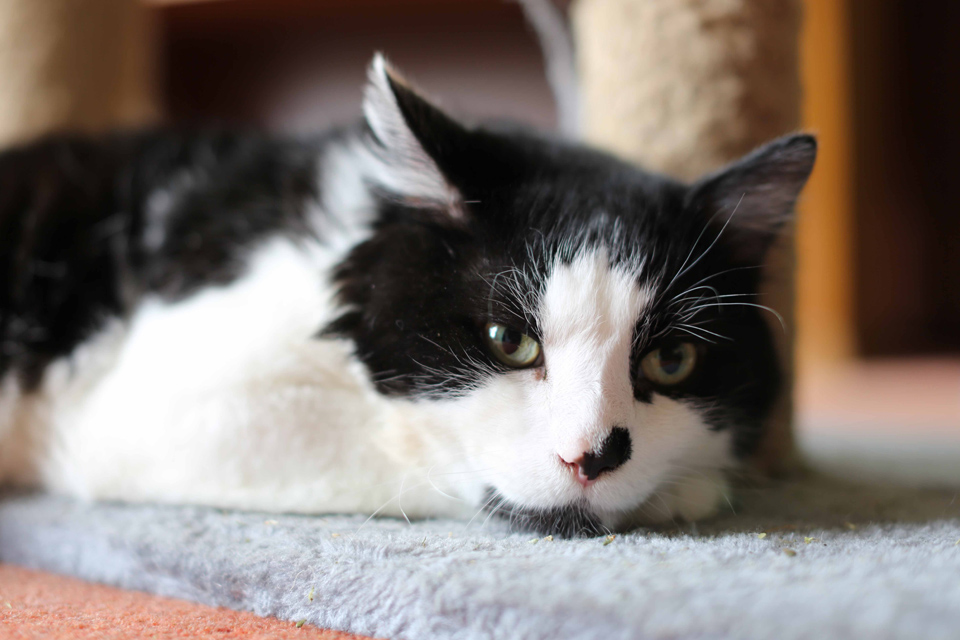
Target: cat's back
[(89, 226), (110, 244)]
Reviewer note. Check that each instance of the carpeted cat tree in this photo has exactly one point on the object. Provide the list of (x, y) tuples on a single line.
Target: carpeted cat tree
[(678, 85), (685, 86)]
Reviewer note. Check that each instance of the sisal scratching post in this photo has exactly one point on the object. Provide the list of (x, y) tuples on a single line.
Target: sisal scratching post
[(79, 65), (685, 86)]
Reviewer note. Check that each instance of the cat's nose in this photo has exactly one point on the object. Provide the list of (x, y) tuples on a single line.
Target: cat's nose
[(612, 454)]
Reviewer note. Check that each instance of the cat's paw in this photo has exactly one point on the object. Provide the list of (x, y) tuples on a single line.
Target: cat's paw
[(701, 496), (691, 498)]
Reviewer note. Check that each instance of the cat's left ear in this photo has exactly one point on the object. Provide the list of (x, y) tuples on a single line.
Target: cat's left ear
[(416, 144), (753, 198)]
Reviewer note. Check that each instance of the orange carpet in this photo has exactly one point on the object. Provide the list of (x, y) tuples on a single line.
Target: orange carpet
[(42, 605)]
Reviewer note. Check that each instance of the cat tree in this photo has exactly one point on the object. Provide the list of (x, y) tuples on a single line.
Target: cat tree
[(73, 65), (685, 86)]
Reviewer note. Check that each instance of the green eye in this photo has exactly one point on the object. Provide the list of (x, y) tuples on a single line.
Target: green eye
[(670, 365), (511, 347)]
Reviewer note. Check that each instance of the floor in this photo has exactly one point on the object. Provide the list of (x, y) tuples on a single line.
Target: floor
[(881, 397), (906, 411), (41, 605)]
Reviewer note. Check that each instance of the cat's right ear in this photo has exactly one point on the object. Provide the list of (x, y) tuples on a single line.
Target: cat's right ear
[(751, 200), (415, 145)]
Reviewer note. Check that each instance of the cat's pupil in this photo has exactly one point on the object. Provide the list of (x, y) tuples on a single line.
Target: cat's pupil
[(511, 339), (671, 359)]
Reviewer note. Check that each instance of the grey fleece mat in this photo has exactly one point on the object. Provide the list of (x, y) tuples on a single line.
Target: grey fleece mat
[(810, 559)]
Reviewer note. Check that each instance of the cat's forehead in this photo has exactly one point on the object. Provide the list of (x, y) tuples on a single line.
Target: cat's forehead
[(581, 252), (634, 218), (591, 298), (578, 187)]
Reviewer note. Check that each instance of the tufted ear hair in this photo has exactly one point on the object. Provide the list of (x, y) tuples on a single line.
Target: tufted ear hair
[(415, 144), (754, 197)]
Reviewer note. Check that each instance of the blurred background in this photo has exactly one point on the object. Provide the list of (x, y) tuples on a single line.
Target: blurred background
[(878, 293)]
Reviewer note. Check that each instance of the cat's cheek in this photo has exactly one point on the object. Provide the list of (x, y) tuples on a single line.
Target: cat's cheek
[(501, 433), (503, 436), (681, 462), (672, 469)]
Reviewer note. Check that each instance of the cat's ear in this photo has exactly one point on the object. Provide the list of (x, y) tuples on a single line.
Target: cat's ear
[(752, 199), (415, 143)]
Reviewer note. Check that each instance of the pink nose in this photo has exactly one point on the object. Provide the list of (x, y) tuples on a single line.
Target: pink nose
[(613, 453), (577, 468)]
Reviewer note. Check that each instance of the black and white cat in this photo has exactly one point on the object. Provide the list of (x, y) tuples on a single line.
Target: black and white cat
[(410, 317)]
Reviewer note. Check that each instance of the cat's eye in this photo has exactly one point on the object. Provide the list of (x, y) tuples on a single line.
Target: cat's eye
[(511, 347), (670, 365)]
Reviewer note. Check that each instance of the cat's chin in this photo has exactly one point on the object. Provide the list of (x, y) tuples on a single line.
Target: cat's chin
[(693, 498), (570, 521)]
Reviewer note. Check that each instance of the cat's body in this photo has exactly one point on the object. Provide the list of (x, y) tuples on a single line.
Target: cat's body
[(334, 325)]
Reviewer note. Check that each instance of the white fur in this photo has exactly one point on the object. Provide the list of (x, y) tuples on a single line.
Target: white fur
[(401, 166)]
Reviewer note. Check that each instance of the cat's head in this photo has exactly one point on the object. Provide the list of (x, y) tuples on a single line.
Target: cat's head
[(580, 332)]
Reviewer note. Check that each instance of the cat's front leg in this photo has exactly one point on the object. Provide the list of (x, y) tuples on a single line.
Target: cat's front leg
[(692, 497), (289, 432), (302, 433)]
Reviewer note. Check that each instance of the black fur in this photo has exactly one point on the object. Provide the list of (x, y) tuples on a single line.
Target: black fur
[(75, 222), (570, 521)]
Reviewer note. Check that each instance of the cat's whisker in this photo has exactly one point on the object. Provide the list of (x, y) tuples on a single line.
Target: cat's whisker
[(717, 238), (726, 271), (486, 504), (503, 501), (695, 335), (397, 498), (779, 317), (374, 514), (400, 500), (437, 489), (694, 328), (667, 511), (681, 478), (404, 489), (683, 267), (694, 301), (679, 298)]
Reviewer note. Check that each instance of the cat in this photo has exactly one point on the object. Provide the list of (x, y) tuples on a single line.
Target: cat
[(408, 317)]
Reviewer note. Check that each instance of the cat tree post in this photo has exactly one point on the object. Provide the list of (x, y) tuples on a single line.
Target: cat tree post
[(81, 66), (684, 86)]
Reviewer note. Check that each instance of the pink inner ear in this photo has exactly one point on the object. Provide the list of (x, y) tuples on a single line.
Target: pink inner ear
[(753, 199), (399, 163)]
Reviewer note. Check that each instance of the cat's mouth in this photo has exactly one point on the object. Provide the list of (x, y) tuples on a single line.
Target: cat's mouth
[(570, 521)]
